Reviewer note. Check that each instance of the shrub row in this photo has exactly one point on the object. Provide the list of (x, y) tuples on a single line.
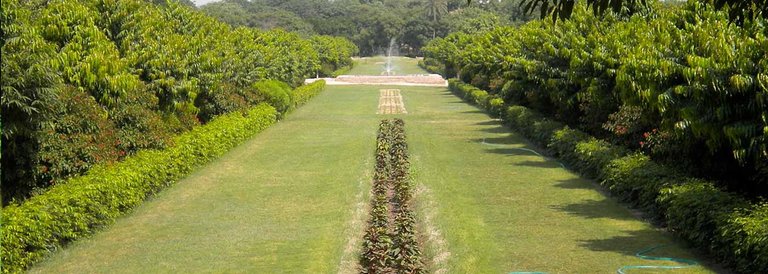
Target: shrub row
[(491, 103), (302, 94), (83, 204), (390, 243), (724, 224)]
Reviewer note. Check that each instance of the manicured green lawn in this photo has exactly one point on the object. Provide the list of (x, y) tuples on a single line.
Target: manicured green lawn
[(282, 202), (375, 66), (294, 199), (501, 209)]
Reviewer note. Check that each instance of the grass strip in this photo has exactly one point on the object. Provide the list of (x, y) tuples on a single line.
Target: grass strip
[(84, 204), (724, 224)]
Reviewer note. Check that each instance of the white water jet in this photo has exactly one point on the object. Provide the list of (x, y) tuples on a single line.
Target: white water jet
[(392, 50)]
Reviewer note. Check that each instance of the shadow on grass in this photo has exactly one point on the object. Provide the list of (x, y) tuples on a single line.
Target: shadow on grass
[(575, 183), (595, 209), (628, 244), (539, 164), (489, 123), (510, 151), (498, 129), (473, 111), (638, 240)]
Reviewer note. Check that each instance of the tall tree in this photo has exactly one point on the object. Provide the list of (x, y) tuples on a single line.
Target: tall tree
[(436, 8), (738, 10)]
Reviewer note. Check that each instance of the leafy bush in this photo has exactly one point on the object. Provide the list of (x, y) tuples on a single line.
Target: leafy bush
[(341, 71), (594, 155), (304, 93), (335, 54), (275, 93), (431, 67), (224, 98), (469, 93), (139, 123), (564, 141), (638, 180), (695, 208), (495, 107), (81, 137), (742, 240), (82, 205)]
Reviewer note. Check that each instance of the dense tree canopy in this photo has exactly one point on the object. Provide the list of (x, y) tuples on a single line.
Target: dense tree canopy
[(371, 25), (685, 85), (738, 10), (91, 81)]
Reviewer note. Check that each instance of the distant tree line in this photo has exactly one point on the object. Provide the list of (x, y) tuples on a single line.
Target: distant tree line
[(371, 25)]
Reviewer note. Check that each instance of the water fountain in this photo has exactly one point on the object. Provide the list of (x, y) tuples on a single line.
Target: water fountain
[(388, 68)]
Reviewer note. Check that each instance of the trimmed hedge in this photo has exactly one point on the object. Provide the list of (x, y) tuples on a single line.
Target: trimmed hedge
[(275, 93), (84, 204), (724, 224), (478, 97), (302, 94)]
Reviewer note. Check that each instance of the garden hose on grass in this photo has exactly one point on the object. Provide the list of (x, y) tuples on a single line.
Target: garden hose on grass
[(641, 254)]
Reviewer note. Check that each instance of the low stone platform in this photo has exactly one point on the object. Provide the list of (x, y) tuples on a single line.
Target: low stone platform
[(426, 80)]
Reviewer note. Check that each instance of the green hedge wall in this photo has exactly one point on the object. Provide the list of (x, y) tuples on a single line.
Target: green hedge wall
[(681, 82), (302, 94), (724, 224), (82, 205)]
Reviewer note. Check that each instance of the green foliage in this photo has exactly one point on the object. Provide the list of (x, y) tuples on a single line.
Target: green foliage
[(275, 93), (616, 77), (335, 53), (739, 11), (722, 223), (81, 135), (469, 20), (152, 70), (370, 25), (741, 232), (83, 204), (699, 207), (469, 93), (225, 98), (390, 243), (532, 125), (302, 94), (638, 180), (433, 67), (29, 87)]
